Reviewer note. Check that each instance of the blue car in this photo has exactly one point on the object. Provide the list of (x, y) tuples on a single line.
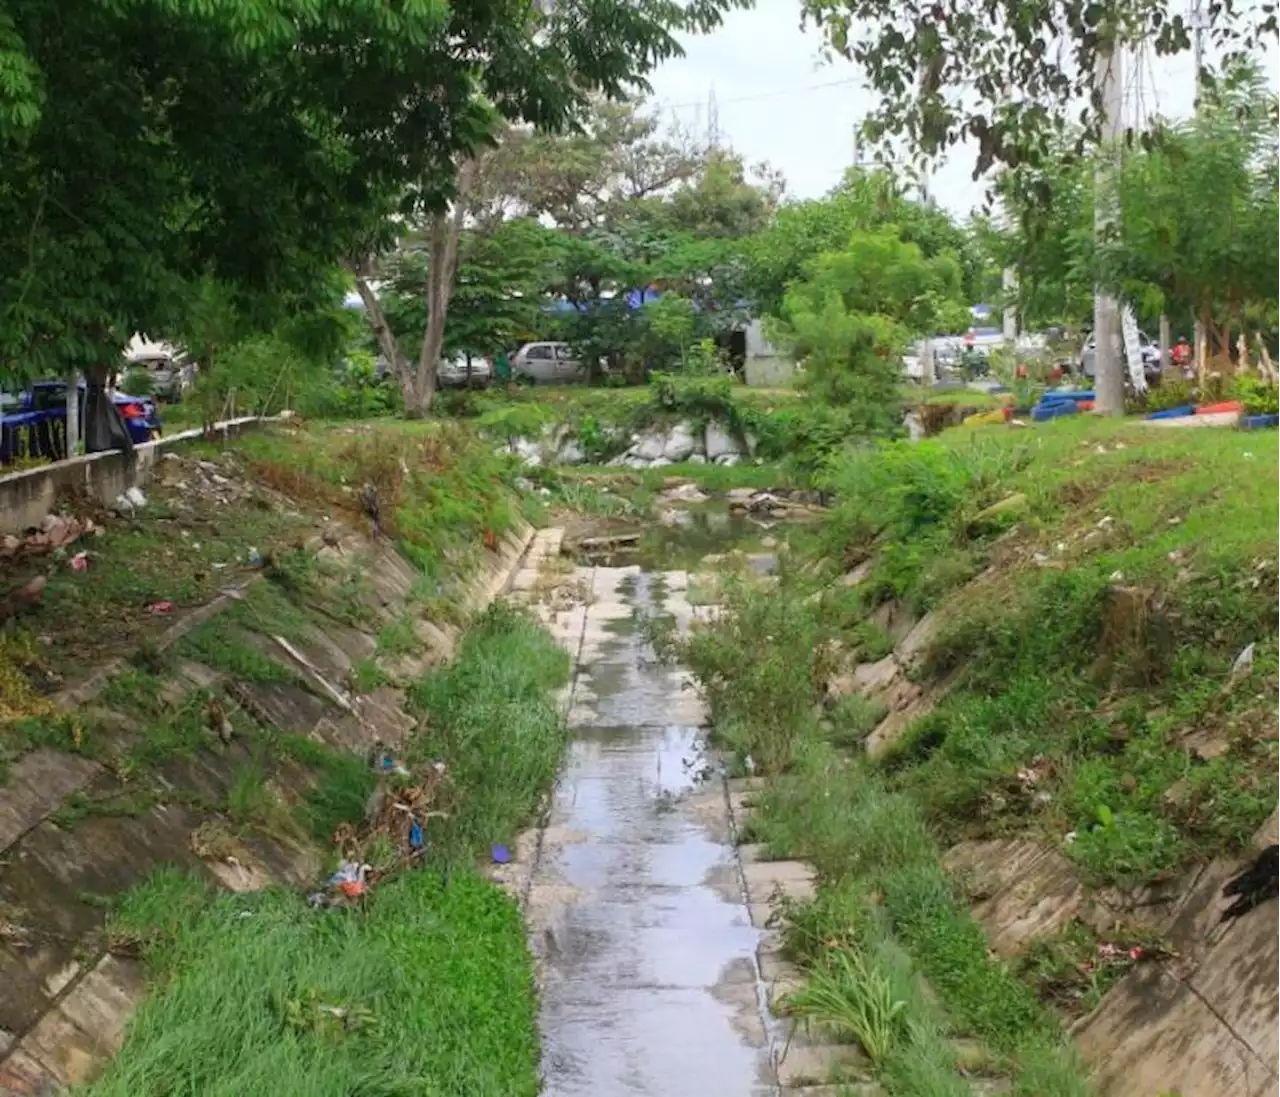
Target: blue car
[(35, 424)]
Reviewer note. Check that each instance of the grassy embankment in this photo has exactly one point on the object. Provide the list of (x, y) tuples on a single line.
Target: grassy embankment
[(427, 988), (1088, 625)]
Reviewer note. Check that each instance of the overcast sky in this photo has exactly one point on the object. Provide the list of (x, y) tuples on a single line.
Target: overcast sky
[(777, 101)]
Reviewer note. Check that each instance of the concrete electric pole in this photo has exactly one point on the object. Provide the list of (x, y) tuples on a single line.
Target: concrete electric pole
[(1108, 381)]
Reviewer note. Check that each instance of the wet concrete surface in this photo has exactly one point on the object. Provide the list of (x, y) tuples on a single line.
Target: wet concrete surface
[(637, 910)]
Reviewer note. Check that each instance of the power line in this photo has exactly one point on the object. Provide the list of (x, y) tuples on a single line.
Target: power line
[(768, 94)]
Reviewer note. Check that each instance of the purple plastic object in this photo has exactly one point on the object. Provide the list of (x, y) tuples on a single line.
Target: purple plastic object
[(501, 855)]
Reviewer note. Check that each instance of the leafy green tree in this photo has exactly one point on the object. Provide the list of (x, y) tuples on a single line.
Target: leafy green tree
[(849, 319), (502, 275), (1013, 76), (1049, 239), (144, 146), (1196, 235), (864, 201)]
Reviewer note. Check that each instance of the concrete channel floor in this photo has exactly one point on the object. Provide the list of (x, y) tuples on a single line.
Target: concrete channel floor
[(636, 906)]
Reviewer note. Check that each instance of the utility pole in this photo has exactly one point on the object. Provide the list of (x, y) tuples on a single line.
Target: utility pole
[(1198, 22), (1010, 287), (1108, 381)]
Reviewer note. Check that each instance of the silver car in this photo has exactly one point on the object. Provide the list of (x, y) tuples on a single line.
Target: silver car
[(462, 371), (172, 375), (547, 363)]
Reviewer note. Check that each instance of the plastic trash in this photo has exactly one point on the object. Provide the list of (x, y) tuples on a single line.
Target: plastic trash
[(415, 836), (349, 880), (1243, 666), (160, 607), (501, 855), (255, 558), (80, 561), (1259, 422), (1181, 411)]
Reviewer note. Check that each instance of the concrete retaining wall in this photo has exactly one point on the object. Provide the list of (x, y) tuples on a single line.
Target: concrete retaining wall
[(27, 496)]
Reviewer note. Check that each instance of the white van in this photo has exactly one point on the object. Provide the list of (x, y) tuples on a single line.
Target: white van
[(546, 363)]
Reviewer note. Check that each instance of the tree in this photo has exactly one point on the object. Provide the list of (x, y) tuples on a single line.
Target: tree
[(146, 146), (1196, 235), (499, 287), (1012, 75), (849, 319), (1049, 240), (864, 200)]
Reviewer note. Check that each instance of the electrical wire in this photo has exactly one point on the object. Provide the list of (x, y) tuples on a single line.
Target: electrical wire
[(768, 94)]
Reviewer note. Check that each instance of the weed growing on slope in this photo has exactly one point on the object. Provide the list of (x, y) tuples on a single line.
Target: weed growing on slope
[(846, 993), (760, 667), (490, 716), (428, 989), (232, 652), (341, 790)]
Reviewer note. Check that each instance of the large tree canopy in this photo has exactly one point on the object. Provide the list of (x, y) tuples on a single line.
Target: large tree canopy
[(145, 145), (1012, 75)]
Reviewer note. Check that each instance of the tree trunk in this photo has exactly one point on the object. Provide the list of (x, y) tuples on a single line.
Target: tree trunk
[(382, 330), (446, 228)]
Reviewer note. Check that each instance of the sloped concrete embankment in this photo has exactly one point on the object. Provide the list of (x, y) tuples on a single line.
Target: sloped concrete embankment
[(1201, 1024), (67, 997)]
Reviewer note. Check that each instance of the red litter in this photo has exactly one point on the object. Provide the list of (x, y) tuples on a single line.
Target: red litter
[(160, 607)]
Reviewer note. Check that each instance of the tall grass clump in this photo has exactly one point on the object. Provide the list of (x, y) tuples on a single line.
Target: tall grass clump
[(760, 667), (490, 717), (427, 989)]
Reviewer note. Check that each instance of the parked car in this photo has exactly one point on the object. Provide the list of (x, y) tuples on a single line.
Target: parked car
[(36, 425), (464, 370), (546, 363), (172, 373), (1088, 361)]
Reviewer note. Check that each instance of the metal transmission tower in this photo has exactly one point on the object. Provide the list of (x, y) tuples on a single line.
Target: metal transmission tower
[(713, 120)]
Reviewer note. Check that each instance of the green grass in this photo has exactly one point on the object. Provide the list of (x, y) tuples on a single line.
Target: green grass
[(232, 652), (341, 790), (490, 717), (837, 811), (428, 989)]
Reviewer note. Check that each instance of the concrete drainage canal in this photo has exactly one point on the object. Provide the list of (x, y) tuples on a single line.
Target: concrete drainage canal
[(637, 904)]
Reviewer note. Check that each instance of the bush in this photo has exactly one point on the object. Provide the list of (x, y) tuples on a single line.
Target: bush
[(491, 715), (762, 696), (138, 382)]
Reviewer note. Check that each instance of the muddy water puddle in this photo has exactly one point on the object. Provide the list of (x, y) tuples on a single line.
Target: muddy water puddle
[(688, 535), (636, 910)]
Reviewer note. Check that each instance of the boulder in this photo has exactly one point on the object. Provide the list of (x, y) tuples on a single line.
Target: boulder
[(660, 462), (680, 443), (740, 496), (728, 459), (687, 492), (528, 452), (697, 459), (649, 446), (720, 442), (635, 462), (571, 453)]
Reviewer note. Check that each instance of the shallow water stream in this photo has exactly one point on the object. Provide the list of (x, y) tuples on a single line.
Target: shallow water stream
[(650, 984)]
